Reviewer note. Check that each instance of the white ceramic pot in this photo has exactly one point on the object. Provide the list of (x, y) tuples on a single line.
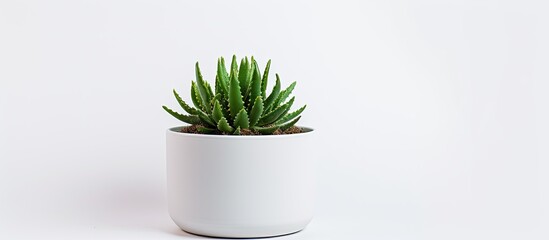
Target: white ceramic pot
[(240, 186)]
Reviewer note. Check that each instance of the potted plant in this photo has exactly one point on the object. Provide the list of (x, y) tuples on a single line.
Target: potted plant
[(241, 168)]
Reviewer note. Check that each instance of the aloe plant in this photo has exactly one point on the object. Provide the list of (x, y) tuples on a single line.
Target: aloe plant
[(239, 101)]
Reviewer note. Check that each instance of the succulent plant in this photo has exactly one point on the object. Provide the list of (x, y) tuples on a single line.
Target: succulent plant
[(239, 102)]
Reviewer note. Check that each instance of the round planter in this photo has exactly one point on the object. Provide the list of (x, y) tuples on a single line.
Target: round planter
[(240, 186)]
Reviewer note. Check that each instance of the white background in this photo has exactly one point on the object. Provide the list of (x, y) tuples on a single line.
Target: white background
[(431, 116)]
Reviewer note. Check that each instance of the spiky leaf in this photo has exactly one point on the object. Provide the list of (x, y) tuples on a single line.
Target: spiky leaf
[(274, 94), (217, 97), (243, 74), (256, 111), (235, 98), (291, 115), (206, 130), (184, 118), (217, 113), (202, 89), (266, 130), (218, 88), (225, 108), (183, 104), (285, 126), (255, 86), (234, 68), (222, 78), (251, 73), (241, 120), (205, 119), (284, 94), (290, 103), (224, 126), (237, 131), (276, 114), (225, 73), (222, 97), (211, 95), (195, 97), (264, 80)]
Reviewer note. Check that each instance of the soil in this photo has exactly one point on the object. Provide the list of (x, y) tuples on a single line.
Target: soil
[(190, 129), (292, 130)]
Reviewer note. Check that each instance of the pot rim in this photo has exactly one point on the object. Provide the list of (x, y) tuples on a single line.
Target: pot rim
[(173, 130)]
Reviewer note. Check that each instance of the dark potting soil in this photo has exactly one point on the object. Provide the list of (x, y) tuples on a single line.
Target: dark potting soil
[(291, 130)]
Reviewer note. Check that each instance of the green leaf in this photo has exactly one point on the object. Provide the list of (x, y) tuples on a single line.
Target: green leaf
[(183, 104), (276, 114), (225, 73), (251, 72), (241, 120), (234, 68), (266, 130), (184, 118), (264, 80), (251, 69), (256, 111), (217, 97), (274, 94), (225, 108), (235, 98), (284, 94), (223, 84), (290, 103), (237, 131), (202, 89), (224, 126), (291, 115), (211, 95), (289, 124), (195, 97), (206, 130), (255, 87), (217, 113), (223, 67), (206, 120), (243, 75), (217, 86), (222, 97)]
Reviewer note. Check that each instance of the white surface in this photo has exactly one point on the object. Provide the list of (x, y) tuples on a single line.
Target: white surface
[(233, 186), (431, 115)]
